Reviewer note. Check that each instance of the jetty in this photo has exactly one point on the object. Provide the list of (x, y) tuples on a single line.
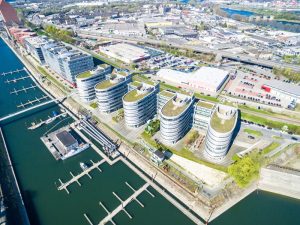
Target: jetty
[(12, 72), (23, 89), (95, 165), (31, 102), (15, 80)]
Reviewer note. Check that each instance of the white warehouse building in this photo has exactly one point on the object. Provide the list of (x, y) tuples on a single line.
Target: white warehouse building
[(140, 103), (176, 117), (220, 131), (109, 92), (205, 79), (86, 81)]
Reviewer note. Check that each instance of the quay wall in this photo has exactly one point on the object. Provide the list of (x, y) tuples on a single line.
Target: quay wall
[(283, 181), (16, 212)]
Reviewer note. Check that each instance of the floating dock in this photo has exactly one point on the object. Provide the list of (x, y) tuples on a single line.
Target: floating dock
[(15, 80), (13, 72), (31, 102), (23, 89), (64, 186)]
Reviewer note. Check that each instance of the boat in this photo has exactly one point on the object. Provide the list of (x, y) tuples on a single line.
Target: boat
[(83, 166), (50, 120), (76, 151), (35, 125)]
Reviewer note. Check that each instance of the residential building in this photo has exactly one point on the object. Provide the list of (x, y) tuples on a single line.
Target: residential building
[(220, 131), (157, 157), (109, 92), (66, 61), (87, 81), (176, 117), (140, 103), (202, 114), (34, 45)]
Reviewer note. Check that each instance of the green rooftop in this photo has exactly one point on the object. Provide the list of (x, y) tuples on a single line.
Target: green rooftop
[(170, 109), (133, 96), (85, 74), (166, 93), (104, 65), (135, 83), (205, 104), (105, 84), (222, 126)]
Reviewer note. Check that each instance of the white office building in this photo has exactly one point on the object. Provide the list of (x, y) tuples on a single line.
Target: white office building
[(202, 114), (109, 92), (34, 45), (140, 103), (220, 131), (86, 81), (65, 61), (176, 117)]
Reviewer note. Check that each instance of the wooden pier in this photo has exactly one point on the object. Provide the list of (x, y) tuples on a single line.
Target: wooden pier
[(64, 186), (121, 207), (13, 72), (15, 80), (31, 102), (23, 89)]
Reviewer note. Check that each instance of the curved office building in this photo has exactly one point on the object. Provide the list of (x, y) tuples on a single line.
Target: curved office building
[(140, 103), (86, 81), (176, 117), (220, 130), (109, 93)]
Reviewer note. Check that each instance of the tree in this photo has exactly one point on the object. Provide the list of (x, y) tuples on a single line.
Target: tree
[(244, 170)]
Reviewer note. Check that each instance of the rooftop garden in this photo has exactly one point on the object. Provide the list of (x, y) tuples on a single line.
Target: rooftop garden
[(220, 125), (105, 84), (205, 104), (167, 94), (134, 96), (170, 109), (85, 74)]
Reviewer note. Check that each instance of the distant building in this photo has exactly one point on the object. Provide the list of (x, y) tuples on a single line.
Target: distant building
[(205, 79), (20, 34), (202, 115), (67, 140), (176, 117), (8, 14), (127, 53), (66, 61), (140, 103), (109, 92), (87, 81), (220, 131), (34, 45)]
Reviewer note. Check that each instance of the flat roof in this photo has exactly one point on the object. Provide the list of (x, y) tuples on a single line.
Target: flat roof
[(221, 125), (133, 96), (171, 109), (208, 76), (85, 74), (205, 104), (66, 138), (292, 89), (166, 93)]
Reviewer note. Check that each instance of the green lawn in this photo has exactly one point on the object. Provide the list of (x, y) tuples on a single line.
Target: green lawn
[(270, 123), (270, 147), (185, 153), (94, 105), (253, 132)]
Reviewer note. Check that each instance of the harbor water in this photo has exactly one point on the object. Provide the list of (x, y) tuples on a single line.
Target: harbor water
[(38, 173)]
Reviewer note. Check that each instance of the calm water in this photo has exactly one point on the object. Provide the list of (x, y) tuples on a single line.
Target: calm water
[(38, 172)]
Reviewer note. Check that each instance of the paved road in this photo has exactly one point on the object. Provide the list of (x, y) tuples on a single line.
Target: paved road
[(224, 54)]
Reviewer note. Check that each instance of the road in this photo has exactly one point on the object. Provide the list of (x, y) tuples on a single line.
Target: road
[(224, 54)]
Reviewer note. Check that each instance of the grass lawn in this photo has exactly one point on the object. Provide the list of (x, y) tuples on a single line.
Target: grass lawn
[(52, 79), (185, 153), (270, 123), (253, 132), (270, 147), (94, 105)]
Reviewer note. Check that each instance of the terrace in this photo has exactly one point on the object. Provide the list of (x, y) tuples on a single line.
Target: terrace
[(175, 107), (205, 104), (135, 95), (85, 75)]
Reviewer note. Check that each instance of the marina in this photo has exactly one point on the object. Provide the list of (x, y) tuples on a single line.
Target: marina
[(55, 116), (15, 80), (23, 89), (31, 102), (37, 185)]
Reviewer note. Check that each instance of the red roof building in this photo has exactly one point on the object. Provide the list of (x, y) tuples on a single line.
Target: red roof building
[(8, 14)]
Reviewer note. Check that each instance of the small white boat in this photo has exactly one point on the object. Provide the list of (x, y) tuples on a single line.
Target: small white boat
[(50, 120), (83, 166), (35, 125)]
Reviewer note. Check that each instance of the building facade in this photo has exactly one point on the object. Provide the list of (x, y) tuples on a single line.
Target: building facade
[(87, 81), (34, 45), (202, 114), (220, 131), (65, 61), (140, 103), (176, 117), (109, 92)]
